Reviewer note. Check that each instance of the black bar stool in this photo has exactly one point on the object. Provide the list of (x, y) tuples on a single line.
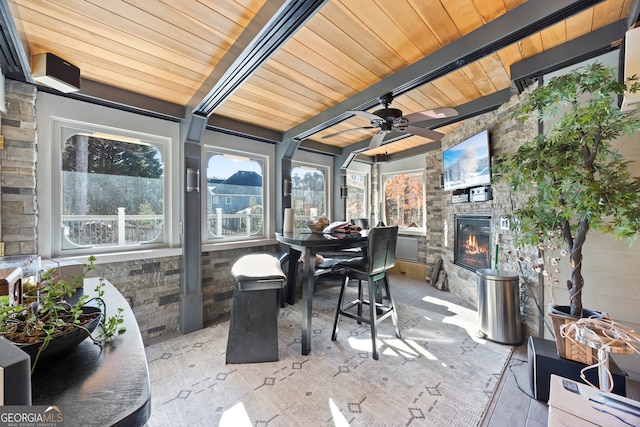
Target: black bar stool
[(253, 328), (380, 257)]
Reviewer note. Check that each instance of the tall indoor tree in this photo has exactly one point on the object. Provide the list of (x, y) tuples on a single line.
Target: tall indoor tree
[(574, 178)]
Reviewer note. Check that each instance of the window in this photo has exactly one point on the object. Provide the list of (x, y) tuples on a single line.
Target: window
[(237, 180), (404, 199), (309, 192), (113, 190), (357, 190)]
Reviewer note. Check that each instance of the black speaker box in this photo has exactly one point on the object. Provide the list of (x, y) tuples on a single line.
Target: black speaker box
[(544, 361), (50, 70)]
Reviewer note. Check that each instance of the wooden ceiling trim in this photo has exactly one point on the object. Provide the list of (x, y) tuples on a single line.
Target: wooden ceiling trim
[(334, 38), (494, 68), (437, 19), (287, 88), (532, 45), (446, 85), (510, 55), (554, 35), (412, 25), (310, 87), (464, 15), (276, 101), (134, 76), (78, 51), (244, 113), (101, 75), (580, 24), (512, 4), (490, 9), (313, 49), (226, 27), (476, 73), (101, 38), (220, 31), (154, 30), (371, 17), (468, 87), (611, 11), (357, 31), (275, 113), (286, 60)]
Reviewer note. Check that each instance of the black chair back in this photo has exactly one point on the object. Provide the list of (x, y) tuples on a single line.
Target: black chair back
[(382, 249)]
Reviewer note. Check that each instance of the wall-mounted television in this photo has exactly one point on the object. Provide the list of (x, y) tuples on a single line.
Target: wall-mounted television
[(467, 164)]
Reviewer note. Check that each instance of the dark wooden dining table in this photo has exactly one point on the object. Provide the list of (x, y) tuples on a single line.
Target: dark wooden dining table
[(309, 244), (96, 386)]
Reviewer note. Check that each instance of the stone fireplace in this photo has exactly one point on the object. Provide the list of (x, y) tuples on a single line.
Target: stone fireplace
[(472, 248)]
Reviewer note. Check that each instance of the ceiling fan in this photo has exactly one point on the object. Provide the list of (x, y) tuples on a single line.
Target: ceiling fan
[(391, 119)]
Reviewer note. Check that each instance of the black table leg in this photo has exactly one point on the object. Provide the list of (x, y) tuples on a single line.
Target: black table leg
[(294, 256)]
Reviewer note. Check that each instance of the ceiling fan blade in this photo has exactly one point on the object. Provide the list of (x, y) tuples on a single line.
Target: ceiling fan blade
[(377, 139), (426, 133), (365, 114), (437, 113), (347, 130)]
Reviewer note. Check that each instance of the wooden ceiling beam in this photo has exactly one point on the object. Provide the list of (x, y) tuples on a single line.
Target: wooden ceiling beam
[(13, 58), (586, 47), (284, 24)]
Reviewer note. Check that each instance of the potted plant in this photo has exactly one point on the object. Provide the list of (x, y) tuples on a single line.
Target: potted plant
[(573, 178), (47, 323)]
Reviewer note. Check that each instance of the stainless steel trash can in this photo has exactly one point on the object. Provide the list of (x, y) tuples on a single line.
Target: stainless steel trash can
[(498, 306)]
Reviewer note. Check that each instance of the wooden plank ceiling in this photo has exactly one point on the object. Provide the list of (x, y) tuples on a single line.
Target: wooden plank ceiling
[(169, 50)]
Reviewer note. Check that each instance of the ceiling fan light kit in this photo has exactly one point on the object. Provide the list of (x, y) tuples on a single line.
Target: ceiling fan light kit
[(391, 119)]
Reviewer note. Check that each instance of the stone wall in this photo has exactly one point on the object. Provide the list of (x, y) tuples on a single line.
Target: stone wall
[(18, 210), (506, 135)]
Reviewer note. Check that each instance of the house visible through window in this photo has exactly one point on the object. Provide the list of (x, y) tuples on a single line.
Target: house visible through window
[(112, 191), (404, 199), (236, 180)]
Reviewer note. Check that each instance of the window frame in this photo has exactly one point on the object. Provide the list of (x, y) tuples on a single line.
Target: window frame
[(327, 182), (383, 215), (367, 191), (62, 130), (207, 237)]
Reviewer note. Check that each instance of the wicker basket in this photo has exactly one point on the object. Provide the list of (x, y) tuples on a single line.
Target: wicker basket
[(568, 348)]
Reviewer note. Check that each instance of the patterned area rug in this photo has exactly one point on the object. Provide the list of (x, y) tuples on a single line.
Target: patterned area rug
[(438, 374)]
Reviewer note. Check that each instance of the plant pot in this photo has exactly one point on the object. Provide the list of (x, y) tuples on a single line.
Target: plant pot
[(567, 348), (65, 341)]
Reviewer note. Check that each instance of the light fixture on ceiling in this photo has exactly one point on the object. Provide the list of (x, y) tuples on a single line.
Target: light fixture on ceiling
[(50, 70)]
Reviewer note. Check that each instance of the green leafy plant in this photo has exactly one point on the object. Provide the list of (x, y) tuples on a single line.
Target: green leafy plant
[(575, 180), (47, 314)]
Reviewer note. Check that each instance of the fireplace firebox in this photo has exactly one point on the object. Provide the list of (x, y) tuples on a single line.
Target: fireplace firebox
[(472, 242)]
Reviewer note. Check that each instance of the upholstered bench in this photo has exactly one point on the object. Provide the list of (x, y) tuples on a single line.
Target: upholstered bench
[(253, 329)]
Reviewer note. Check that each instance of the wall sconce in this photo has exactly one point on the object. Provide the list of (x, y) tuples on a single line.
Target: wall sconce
[(344, 191), (193, 180), (286, 188)]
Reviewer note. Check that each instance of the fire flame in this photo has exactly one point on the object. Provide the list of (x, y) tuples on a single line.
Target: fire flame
[(472, 245)]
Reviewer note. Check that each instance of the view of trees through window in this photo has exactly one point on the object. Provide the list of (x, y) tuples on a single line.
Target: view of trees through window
[(404, 199), (308, 195), (234, 196), (356, 195), (112, 191)]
